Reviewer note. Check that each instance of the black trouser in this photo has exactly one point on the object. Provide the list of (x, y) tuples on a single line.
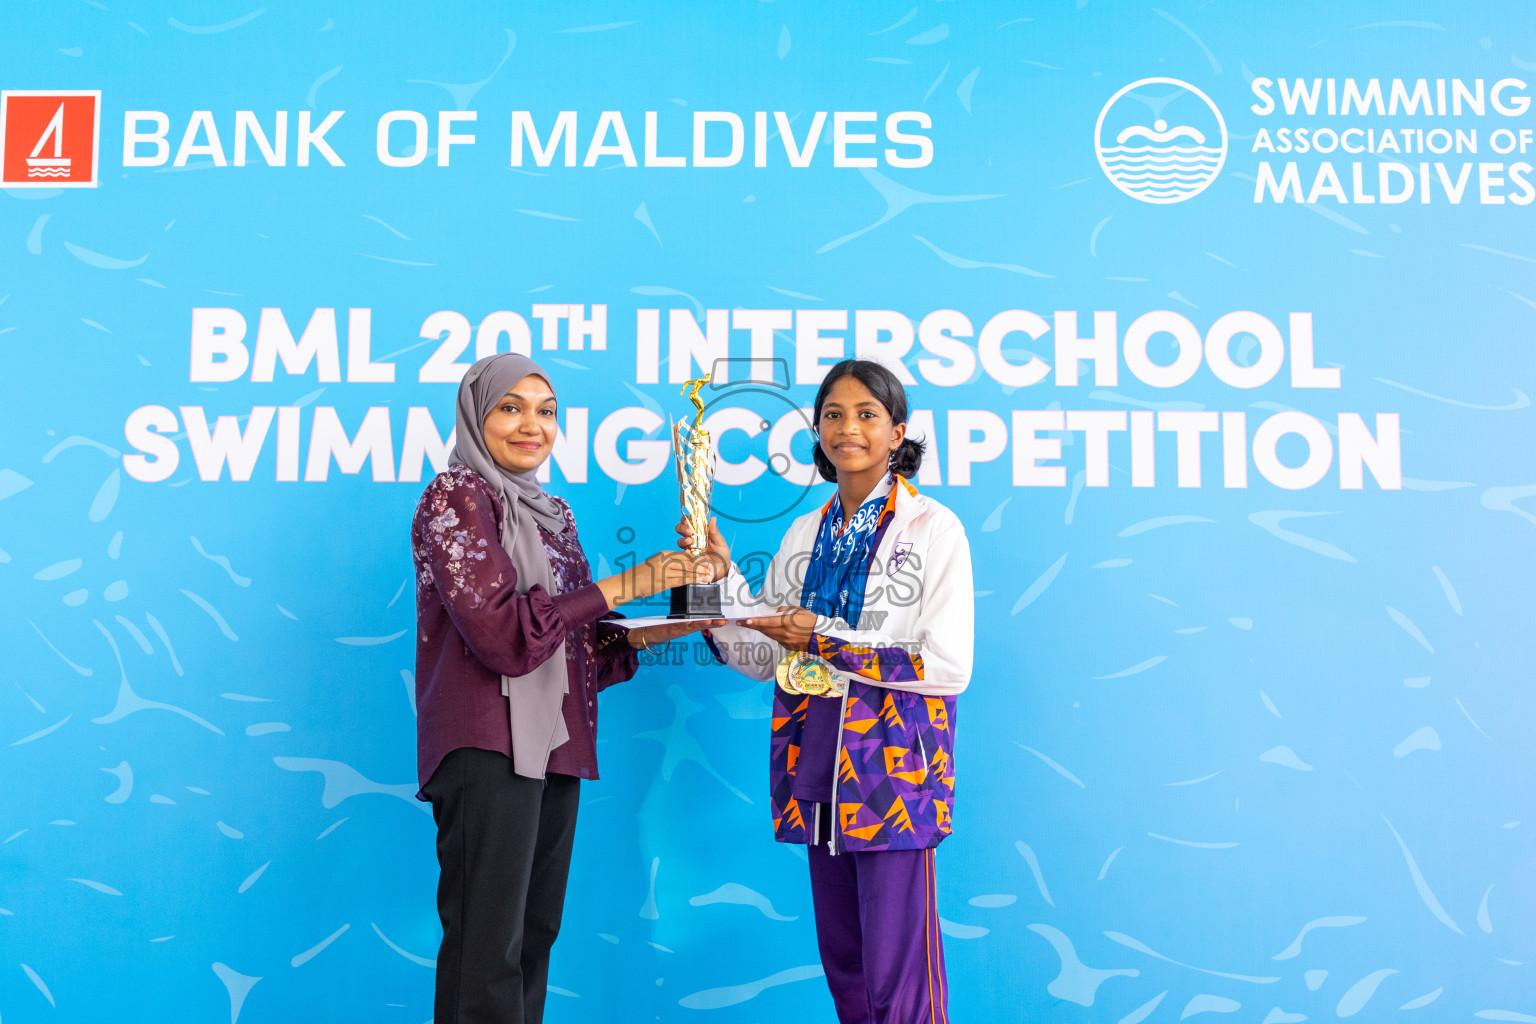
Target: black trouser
[(504, 847)]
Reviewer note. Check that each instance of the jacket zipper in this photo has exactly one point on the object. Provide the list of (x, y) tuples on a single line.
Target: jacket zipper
[(837, 756), (922, 752), (837, 764)]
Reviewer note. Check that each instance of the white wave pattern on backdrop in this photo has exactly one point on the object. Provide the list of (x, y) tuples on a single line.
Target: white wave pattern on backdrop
[(1258, 754)]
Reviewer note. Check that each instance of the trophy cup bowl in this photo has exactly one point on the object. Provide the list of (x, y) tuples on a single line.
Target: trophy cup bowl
[(695, 461)]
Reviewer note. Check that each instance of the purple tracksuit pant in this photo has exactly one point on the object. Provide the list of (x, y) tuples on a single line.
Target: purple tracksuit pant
[(877, 925)]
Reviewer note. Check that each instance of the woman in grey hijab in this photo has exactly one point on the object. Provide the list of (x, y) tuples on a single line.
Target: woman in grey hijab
[(514, 640)]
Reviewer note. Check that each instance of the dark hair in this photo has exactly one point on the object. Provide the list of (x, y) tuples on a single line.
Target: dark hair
[(887, 389)]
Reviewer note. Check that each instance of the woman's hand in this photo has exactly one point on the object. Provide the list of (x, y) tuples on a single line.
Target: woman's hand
[(650, 636), (667, 569), (662, 571), (716, 549), (792, 627)]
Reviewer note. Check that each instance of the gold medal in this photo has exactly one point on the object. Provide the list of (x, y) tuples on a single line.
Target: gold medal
[(782, 674), (806, 674)]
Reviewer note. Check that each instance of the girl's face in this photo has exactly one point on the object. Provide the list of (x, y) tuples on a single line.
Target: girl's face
[(855, 430), (520, 431)]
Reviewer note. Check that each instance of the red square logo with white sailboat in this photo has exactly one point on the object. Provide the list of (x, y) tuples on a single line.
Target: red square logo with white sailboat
[(49, 139)]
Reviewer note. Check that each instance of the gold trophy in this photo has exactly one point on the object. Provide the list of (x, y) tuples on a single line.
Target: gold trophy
[(695, 475)]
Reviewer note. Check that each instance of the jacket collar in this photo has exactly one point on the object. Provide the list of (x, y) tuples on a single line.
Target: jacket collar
[(905, 497), (908, 504), (884, 487)]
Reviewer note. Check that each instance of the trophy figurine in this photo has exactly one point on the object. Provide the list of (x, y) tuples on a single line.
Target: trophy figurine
[(695, 474)]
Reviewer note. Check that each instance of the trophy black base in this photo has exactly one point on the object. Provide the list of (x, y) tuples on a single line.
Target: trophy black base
[(695, 601)]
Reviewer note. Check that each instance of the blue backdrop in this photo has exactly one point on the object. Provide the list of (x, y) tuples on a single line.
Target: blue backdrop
[(1260, 749)]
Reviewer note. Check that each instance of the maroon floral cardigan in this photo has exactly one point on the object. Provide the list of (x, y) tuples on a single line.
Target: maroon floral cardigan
[(473, 627)]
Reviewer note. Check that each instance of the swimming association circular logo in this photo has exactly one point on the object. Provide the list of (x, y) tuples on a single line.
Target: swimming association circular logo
[(1160, 140)]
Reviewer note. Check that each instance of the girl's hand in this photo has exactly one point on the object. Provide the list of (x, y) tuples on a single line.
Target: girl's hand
[(716, 549), (792, 627), (650, 636)]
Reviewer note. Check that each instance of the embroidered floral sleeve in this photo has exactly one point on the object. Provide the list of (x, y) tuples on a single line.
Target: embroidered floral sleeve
[(613, 660), (461, 563)]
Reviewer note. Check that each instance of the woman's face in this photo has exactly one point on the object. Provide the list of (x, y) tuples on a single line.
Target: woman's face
[(520, 430), (855, 430)]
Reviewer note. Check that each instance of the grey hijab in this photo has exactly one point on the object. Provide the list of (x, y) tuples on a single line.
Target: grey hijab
[(533, 700)]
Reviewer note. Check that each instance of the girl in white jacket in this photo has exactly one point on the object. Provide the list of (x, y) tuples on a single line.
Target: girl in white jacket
[(866, 618)]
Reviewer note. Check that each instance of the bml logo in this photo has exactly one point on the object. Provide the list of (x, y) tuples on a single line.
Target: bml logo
[(1160, 140), (49, 139)]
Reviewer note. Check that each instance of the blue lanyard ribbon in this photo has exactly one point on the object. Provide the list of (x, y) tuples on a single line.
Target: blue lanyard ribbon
[(837, 576)]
